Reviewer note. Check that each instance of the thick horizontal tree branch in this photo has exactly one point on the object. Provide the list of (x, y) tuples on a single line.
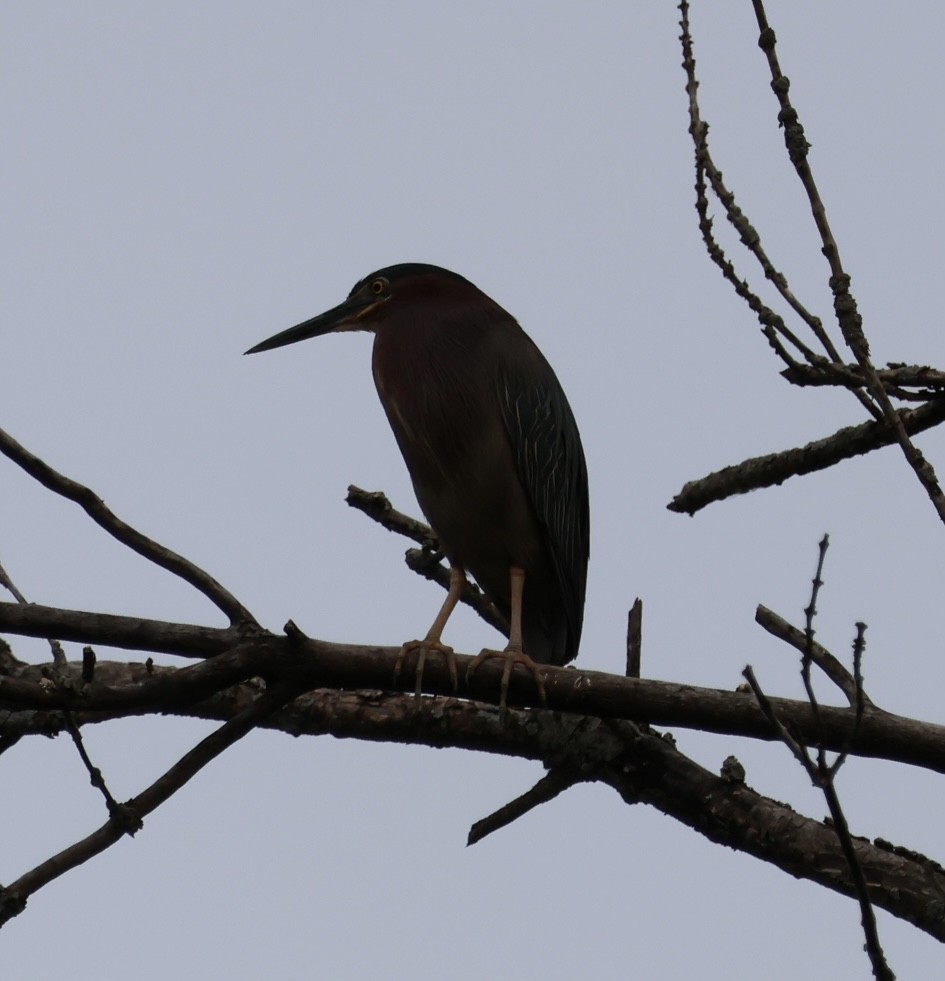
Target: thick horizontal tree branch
[(128, 633), (643, 766), (308, 663)]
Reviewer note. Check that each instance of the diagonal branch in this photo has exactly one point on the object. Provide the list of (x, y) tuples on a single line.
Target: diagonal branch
[(58, 654), (773, 469), (377, 506), (95, 774), (550, 785), (705, 167), (126, 821), (425, 561), (822, 776), (826, 661), (845, 306), (95, 508), (772, 323)]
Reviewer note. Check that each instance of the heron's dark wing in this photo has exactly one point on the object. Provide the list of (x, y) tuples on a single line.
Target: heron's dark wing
[(551, 465)]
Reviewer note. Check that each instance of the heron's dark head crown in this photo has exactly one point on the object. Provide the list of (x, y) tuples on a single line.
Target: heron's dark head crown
[(405, 271)]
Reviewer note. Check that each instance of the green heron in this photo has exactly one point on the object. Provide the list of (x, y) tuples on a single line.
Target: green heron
[(492, 449)]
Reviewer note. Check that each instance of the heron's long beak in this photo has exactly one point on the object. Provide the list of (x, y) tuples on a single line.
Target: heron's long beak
[(345, 316)]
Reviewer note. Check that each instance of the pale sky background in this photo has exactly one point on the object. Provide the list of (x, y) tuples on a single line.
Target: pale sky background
[(180, 181)]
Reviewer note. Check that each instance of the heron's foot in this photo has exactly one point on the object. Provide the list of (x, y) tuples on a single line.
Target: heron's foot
[(512, 656), (422, 648)]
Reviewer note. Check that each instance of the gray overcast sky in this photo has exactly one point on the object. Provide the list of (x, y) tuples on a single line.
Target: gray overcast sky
[(180, 181)]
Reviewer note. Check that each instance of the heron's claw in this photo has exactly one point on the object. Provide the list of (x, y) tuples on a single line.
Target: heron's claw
[(512, 657), (422, 647)]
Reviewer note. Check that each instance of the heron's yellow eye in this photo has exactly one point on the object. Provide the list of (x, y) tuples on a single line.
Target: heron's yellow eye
[(378, 286)]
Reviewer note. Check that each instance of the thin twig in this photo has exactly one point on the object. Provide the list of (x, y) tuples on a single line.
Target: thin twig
[(859, 645), (8, 584), (822, 773), (874, 948), (772, 323), (821, 777), (699, 129), (810, 612), (764, 703), (95, 774), (96, 509)]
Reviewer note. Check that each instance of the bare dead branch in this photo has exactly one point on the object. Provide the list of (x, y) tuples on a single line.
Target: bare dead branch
[(770, 321), (425, 561), (742, 478), (428, 565), (817, 583), (550, 785), (845, 307), (895, 377), (874, 948), (9, 585), (13, 898), (774, 468), (822, 776), (770, 713), (88, 665), (95, 774), (95, 508), (773, 325), (635, 639), (312, 663), (128, 633), (827, 662), (138, 688), (644, 768), (822, 773), (58, 654), (859, 645), (376, 506), (810, 612)]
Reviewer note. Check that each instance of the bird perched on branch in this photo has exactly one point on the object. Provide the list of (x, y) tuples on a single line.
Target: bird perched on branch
[(492, 449)]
